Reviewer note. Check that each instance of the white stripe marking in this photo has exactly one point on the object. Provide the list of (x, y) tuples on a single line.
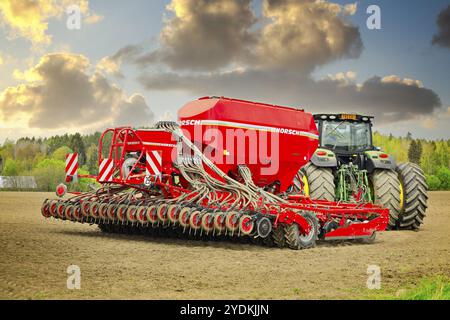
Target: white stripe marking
[(154, 168), (152, 165), (102, 164), (74, 164), (256, 127), (69, 158), (157, 156), (107, 171), (159, 144)]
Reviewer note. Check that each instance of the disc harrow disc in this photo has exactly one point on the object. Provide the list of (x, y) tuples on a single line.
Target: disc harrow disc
[(111, 211), (162, 212), (219, 222), (195, 220), (208, 222), (85, 208), (151, 214), (93, 209), (131, 213), (45, 209), (61, 207), (103, 211), (77, 213), (246, 224), (232, 221), (53, 208), (122, 212), (184, 217), (141, 214), (68, 212), (173, 212)]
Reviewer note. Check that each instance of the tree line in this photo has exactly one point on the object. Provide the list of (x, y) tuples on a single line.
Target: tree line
[(431, 155), (44, 158)]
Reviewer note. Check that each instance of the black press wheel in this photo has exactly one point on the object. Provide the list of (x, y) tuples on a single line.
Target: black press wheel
[(295, 240)]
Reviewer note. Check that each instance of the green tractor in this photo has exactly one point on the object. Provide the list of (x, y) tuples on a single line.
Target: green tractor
[(348, 167)]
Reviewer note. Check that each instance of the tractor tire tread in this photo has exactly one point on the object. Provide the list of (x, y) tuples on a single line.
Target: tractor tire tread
[(415, 195)]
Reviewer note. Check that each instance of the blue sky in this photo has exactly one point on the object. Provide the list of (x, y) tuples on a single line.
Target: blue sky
[(402, 48)]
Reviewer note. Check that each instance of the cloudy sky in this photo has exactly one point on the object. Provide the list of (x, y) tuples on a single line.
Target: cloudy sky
[(136, 62)]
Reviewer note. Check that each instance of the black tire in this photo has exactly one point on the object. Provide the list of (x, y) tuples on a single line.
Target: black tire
[(106, 228), (278, 236), (296, 241), (414, 203), (386, 193), (320, 182)]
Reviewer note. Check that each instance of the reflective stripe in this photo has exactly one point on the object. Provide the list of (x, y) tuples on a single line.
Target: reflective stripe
[(105, 170), (154, 163), (159, 144), (71, 164), (257, 127)]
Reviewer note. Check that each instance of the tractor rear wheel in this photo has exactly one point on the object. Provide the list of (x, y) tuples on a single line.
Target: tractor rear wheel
[(295, 240), (317, 182), (386, 193), (413, 200)]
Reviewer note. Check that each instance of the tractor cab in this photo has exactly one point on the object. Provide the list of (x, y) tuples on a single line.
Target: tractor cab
[(345, 133), (348, 137)]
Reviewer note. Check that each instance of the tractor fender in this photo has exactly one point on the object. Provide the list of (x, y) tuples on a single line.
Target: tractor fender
[(324, 158), (379, 160)]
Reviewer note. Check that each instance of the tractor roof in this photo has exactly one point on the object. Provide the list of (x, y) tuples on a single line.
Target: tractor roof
[(343, 116)]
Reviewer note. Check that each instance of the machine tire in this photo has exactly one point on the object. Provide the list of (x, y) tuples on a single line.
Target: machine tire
[(414, 200), (278, 236), (320, 182), (106, 228), (386, 193), (296, 241)]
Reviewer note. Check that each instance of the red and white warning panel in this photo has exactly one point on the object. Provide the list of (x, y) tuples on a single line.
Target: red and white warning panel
[(153, 160), (71, 167), (105, 171)]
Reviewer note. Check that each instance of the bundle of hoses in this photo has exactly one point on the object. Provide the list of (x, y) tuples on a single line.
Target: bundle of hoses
[(192, 169)]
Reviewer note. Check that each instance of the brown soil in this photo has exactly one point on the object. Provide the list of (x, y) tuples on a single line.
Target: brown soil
[(35, 253)]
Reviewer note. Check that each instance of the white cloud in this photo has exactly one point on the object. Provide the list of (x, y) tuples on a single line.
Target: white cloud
[(29, 18), (61, 92)]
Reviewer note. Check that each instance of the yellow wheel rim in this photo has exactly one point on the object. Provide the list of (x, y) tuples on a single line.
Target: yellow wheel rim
[(401, 197), (305, 185)]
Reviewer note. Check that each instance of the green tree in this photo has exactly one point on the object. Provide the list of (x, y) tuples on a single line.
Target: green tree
[(11, 168), (92, 159), (49, 173), (61, 152), (442, 154), (433, 182), (77, 145), (415, 151), (443, 174)]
